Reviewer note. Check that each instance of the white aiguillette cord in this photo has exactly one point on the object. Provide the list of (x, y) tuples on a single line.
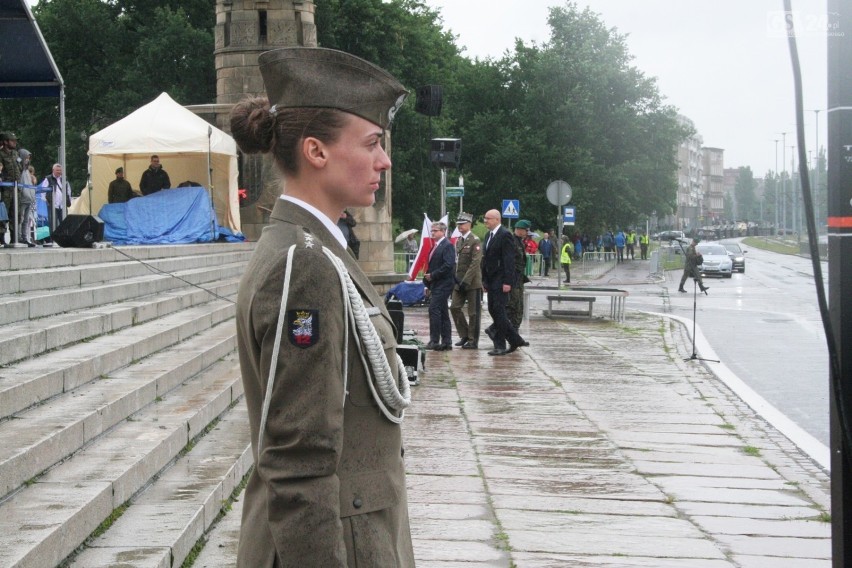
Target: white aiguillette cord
[(395, 392)]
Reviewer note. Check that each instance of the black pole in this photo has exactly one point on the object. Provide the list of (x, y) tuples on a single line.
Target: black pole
[(840, 270)]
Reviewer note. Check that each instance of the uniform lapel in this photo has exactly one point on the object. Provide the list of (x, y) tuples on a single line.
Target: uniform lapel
[(289, 212)]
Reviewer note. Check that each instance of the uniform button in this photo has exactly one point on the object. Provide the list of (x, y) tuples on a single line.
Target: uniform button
[(357, 503)]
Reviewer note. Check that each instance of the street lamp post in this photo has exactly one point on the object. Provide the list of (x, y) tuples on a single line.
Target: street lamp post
[(793, 192), (816, 170), (776, 186), (784, 181)]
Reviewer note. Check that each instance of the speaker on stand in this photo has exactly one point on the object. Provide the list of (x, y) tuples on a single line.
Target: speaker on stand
[(429, 100), (79, 231)]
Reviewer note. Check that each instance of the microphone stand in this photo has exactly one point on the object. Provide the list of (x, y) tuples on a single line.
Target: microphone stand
[(694, 356)]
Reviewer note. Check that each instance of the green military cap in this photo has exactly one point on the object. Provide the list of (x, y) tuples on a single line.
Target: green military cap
[(523, 224), (10, 136), (312, 77)]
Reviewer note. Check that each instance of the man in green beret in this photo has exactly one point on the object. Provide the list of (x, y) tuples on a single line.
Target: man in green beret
[(515, 308)]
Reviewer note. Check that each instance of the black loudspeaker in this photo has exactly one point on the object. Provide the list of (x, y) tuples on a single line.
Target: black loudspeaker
[(445, 152), (80, 231), (397, 316), (429, 100)]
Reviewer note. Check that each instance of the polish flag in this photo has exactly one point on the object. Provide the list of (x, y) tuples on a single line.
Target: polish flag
[(421, 261)]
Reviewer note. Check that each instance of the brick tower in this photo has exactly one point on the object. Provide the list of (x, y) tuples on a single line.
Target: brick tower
[(244, 30)]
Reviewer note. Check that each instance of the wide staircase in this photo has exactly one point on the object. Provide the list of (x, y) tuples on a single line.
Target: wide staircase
[(123, 434)]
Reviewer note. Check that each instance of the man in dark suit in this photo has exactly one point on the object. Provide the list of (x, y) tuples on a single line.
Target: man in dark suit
[(440, 280), (498, 278)]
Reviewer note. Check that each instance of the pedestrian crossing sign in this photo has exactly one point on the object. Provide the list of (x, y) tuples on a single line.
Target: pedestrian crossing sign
[(511, 208)]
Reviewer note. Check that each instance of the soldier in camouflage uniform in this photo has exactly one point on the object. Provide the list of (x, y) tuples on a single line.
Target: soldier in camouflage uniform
[(468, 284), (11, 172), (515, 308)]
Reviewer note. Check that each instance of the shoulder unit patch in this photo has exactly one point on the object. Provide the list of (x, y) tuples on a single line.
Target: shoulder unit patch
[(303, 327)]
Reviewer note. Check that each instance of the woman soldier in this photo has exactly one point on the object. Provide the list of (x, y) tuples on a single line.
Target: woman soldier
[(324, 387)]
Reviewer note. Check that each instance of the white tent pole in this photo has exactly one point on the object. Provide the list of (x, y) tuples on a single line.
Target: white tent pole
[(210, 182), (89, 184), (61, 158)]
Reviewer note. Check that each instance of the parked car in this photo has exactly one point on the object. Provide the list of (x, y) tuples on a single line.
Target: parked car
[(671, 235), (737, 255), (716, 260), (678, 244)]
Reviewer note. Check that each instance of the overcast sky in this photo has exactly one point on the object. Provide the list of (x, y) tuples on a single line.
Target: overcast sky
[(724, 64)]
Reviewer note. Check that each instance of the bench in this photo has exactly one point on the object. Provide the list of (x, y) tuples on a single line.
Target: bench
[(551, 312), (617, 298)]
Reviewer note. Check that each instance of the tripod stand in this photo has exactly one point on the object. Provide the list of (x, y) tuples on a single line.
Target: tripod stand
[(694, 356)]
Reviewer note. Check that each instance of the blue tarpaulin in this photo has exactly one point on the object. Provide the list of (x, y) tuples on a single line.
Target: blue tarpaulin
[(170, 216), (410, 293)]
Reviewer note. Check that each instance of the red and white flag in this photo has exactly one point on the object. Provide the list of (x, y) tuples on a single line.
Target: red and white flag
[(421, 261)]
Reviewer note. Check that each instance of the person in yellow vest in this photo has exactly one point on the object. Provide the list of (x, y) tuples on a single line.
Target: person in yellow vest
[(631, 244), (565, 258), (644, 241)]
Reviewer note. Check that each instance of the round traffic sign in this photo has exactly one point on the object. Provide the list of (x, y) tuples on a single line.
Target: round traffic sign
[(559, 192)]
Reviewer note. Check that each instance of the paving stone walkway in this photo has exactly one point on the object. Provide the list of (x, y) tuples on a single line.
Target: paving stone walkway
[(600, 446)]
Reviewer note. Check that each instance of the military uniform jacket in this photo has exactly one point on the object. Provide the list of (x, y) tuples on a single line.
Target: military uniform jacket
[(468, 269), (328, 488), (11, 160)]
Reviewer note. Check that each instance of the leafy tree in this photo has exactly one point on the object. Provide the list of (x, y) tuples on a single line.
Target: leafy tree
[(747, 207), (574, 108), (114, 56)]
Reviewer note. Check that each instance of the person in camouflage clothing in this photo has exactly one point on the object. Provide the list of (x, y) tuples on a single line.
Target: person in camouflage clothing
[(11, 161)]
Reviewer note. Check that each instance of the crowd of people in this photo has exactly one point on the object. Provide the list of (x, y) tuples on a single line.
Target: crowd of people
[(19, 214), (19, 219), (463, 274)]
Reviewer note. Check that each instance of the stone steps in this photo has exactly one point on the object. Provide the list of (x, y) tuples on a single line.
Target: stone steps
[(125, 403), (36, 279), (48, 433), (45, 522), (42, 259), (36, 380), (32, 338), (176, 510), (48, 303)]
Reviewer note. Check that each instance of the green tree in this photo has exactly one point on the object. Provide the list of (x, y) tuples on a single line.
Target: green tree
[(572, 109), (747, 208), (114, 56), (406, 38)]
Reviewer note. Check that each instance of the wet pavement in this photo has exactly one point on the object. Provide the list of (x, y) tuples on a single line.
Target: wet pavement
[(599, 445)]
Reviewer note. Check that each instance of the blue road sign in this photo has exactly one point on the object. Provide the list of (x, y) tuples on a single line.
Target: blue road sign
[(568, 215), (511, 208)]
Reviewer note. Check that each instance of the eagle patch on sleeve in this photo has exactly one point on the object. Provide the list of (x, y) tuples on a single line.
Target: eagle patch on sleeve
[(303, 327)]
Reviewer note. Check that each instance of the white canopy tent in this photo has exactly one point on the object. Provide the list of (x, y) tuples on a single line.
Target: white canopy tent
[(190, 149)]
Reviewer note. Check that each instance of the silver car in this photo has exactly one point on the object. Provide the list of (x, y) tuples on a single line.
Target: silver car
[(716, 260), (737, 254)]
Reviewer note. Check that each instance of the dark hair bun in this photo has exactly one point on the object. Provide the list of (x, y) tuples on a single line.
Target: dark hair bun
[(253, 126)]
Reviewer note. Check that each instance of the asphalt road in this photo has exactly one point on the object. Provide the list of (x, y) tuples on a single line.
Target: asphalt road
[(765, 326)]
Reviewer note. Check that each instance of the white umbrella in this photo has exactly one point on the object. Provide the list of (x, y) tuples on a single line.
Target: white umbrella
[(404, 235)]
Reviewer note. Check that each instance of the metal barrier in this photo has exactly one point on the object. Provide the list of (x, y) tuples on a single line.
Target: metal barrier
[(402, 262), (596, 264)]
